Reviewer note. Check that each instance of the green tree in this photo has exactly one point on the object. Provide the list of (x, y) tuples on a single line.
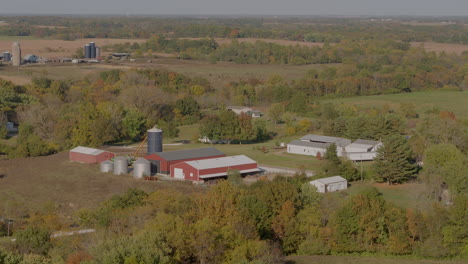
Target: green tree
[(188, 106), (276, 111), (133, 124), (395, 162), (34, 239)]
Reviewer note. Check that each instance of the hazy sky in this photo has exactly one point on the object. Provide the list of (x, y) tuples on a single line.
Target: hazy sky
[(246, 7)]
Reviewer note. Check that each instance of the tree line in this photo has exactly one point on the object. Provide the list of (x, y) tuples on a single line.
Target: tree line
[(259, 223)]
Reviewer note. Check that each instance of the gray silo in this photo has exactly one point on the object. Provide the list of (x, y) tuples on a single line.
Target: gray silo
[(16, 50), (92, 47), (107, 166), (6, 56), (98, 52), (141, 168), (87, 51), (155, 140), (120, 165)]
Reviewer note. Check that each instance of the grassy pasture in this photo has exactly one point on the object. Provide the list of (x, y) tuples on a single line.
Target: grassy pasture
[(453, 101)]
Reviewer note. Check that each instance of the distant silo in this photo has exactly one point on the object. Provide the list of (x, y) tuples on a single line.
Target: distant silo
[(107, 166), (120, 165), (6, 56), (141, 168), (87, 51), (16, 49), (154, 140), (92, 47), (98, 52)]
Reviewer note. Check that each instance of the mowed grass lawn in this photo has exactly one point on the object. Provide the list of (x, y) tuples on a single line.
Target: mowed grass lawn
[(362, 260), (453, 101), (272, 156)]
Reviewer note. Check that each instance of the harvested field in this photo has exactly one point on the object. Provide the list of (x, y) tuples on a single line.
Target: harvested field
[(439, 47), (34, 182), (39, 47)]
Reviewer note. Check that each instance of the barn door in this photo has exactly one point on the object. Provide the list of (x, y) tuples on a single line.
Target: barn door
[(178, 173)]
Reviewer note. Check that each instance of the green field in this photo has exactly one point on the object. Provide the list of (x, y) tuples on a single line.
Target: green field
[(453, 101), (361, 260)]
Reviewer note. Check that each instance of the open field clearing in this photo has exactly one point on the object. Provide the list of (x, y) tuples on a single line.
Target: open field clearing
[(443, 100), (361, 260), (218, 74), (33, 182), (57, 48), (441, 47)]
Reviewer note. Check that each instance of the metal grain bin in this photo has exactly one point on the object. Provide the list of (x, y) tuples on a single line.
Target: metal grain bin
[(155, 140), (87, 51), (107, 166), (141, 168), (6, 56), (120, 165)]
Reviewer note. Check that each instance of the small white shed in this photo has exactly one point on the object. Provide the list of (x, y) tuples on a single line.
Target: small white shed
[(330, 184)]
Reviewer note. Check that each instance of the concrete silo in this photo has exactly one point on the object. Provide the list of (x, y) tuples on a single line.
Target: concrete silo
[(120, 165), (155, 140), (98, 52), (107, 166), (16, 49), (141, 168)]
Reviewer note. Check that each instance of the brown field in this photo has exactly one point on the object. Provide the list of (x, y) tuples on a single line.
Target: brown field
[(30, 184), (223, 41), (417, 23), (362, 260), (39, 46), (439, 47)]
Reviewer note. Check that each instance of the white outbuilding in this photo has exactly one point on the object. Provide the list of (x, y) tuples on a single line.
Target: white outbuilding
[(362, 149), (330, 184), (307, 148)]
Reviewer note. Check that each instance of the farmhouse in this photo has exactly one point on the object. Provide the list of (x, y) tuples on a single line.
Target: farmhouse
[(161, 162), (244, 109), (90, 155), (200, 170), (330, 184), (362, 149), (313, 144)]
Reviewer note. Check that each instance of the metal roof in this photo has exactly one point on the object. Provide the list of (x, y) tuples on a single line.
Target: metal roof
[(155, 130), (310, 144), (326, 139), (220, 162), (330, 180), (366, 142), (189, 154), (88, 151), (142, 161), (226, 173)]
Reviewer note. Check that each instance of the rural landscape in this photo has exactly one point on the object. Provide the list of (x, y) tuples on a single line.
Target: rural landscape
[(233, 139)]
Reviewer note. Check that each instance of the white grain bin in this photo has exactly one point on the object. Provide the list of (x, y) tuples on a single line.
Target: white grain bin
[(107, 166), (141, 168), (120, 165)]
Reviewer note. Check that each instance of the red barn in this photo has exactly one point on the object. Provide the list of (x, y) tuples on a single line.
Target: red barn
[(90, 155), (161, 162), (199, 170)]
